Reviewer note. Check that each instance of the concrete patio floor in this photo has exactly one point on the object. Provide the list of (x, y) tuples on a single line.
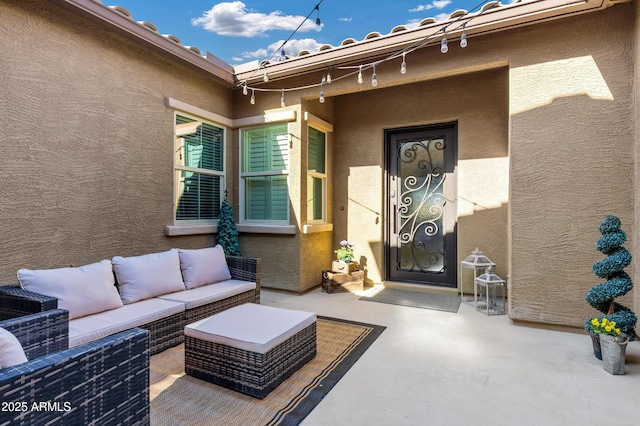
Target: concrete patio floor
[(466, 368)]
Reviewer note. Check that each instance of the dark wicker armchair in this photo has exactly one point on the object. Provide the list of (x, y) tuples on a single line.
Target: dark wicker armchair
[(105, 382)]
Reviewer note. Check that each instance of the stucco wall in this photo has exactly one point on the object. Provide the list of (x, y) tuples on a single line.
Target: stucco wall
[(87, 139), (571, 158), (636, 146), (482, 167)]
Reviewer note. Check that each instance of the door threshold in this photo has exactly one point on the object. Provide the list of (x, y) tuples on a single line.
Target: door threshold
[(420, 288)]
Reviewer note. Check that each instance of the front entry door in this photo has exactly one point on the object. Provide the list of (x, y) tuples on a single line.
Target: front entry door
[(420, 203)]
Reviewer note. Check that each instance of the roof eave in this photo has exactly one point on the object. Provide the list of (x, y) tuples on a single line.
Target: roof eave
[(490, 21), (97, 12)]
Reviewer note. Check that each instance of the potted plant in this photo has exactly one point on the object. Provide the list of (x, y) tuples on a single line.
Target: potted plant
[(345, 255), (613, 344), (227, 232), (618, 283)]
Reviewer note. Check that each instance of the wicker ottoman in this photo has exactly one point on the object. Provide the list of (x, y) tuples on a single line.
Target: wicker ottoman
[(250, 348)]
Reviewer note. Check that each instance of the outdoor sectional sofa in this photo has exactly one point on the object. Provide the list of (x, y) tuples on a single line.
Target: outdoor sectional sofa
[(158, 292)]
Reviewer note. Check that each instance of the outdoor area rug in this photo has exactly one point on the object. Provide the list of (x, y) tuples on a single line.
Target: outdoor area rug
[(437, 302), (178, 399)]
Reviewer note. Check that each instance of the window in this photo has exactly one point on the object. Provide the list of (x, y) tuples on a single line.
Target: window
[(316, 176), (199, 169), (264, 174)]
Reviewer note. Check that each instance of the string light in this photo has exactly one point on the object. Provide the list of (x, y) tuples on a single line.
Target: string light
[(444, 48), (253, 97), (463, 37), (318, 22), (283, 57), (427, 40), (244, 89)]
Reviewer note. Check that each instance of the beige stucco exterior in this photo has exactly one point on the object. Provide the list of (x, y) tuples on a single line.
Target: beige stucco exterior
[(88, 141), (636, 145), (548, 144)]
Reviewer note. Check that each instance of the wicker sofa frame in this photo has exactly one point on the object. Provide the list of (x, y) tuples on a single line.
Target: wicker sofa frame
[(103, 382), (165, 332)]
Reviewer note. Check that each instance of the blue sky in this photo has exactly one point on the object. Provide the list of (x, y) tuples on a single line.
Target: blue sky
[(243, 31)]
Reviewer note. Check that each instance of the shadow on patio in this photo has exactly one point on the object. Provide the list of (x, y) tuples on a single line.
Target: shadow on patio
[(467, 368)]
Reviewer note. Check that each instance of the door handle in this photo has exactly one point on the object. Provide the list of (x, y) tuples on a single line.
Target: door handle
[(395, 219)]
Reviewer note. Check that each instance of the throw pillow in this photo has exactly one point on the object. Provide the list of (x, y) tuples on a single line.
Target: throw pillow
[(11, 352), (149, 275), (203, 266), (82, 290)]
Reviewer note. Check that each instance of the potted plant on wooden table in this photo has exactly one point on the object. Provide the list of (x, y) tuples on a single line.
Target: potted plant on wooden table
[(345, 255)]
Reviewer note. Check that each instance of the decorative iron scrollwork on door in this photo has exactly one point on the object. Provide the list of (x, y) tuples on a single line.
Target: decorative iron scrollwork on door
[(421, 205)]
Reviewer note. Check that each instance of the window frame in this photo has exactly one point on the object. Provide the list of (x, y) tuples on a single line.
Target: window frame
[(311, 174), (242, 175), (177, 168)]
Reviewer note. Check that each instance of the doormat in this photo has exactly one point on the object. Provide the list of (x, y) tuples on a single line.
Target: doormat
[(436, 302), (178, 399)]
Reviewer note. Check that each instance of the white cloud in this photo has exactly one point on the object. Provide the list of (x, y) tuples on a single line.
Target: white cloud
[(441, 17), (345, 19), (234, 19), (435, 4), (256, 54), (412, 23), (291, 49)]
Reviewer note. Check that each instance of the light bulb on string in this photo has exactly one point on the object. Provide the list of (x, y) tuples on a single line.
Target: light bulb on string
[(403, 66), (374, 77), (329, 76), (265, 78), (253, 97), (282, 104), (318, 22), (360, 75), (444, 47), (244, 89), (283, 56), (463, 37), (321, 93)]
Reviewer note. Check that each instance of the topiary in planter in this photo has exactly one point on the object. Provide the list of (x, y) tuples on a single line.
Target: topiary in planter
[(617, 284), (227, 232)]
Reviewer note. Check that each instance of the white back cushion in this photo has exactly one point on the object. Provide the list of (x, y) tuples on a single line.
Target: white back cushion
[(83, 290), (11, 352), (203, 266), (149, 275)]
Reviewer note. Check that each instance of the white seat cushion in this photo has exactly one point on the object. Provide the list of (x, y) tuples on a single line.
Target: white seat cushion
[(251, 327), (209, 293), (11, 352), (204, 266), (82, 290), (149, 275), (93, 327)]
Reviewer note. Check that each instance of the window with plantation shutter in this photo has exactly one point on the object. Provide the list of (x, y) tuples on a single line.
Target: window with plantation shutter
[(199, 169), (316, 176), (264, 174)]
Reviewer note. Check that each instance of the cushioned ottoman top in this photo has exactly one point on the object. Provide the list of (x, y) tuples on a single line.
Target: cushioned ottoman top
[(251, 327)]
